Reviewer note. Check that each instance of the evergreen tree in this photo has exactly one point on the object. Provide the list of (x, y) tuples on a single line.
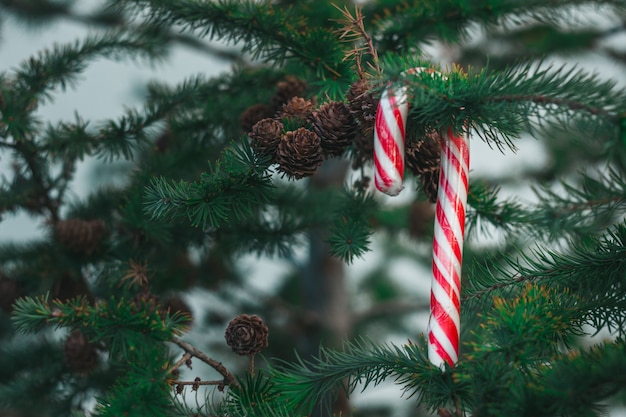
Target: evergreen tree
[(273, 159)]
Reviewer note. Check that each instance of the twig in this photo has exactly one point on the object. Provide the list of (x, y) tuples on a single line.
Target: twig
[(544, 100), (198, 382), (353, 29), (499, 285), (229, 379), (181, 361)]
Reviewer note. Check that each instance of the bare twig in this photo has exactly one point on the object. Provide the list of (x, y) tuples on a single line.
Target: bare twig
[(197, 382), (229, 379), (181, 361), (354, 30)]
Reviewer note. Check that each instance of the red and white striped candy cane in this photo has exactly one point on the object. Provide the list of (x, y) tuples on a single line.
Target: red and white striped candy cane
[(389, 140), (389, 137), (445, 308)]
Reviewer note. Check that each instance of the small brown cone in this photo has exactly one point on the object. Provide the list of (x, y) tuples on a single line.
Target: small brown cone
[(253, 114), (360, 102), (288, 89), (299, 153), (80, 236), (79, 354), (423, 158), (296, 112), (246, 335), (265, 136), (335, 126), (363, 108), (363, 146)]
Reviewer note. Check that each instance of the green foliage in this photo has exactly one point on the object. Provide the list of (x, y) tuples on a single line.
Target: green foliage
[(362, 363), (351, 229), (229, 192)]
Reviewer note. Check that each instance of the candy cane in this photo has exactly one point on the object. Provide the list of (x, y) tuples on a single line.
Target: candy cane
[(389, 137), (389, 141), (444, 324)]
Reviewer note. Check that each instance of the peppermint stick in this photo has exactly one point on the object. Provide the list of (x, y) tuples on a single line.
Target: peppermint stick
[(389, 141), (445, 307), (389, 138)]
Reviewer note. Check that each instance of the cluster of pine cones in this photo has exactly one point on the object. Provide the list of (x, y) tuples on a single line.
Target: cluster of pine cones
[(297, 135)]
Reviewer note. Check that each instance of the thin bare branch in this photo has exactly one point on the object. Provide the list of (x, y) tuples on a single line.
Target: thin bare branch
[(229, 379)]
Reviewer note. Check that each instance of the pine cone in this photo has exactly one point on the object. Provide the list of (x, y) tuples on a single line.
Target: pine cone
[(296, 111), (253, 114), (265, 136), (335, 127), (288, 89), (423, 158), (80, 236), (363, 146), (363, 108), (9, 292), (79, 354), (299, 153), (246, 335), (360, 102)]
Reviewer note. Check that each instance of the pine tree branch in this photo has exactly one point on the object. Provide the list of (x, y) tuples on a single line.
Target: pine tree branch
[(353, 30), (266, 31), (418, 21), (106, 19), (544, 96), (592, 272), (195, 384), (60, 66), (229, 379), (305, 382), (184, 360), (545, 101), (589, 205)]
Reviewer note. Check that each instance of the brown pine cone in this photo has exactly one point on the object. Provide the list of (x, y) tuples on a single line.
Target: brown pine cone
[(297, 111), (80, 236), (335, 127), (253, 114), (363, 146), (246, 335), (265, 136), (299, 153), (288, 89), (79, 354), (360, 102), (423, 158), (363, 108)]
